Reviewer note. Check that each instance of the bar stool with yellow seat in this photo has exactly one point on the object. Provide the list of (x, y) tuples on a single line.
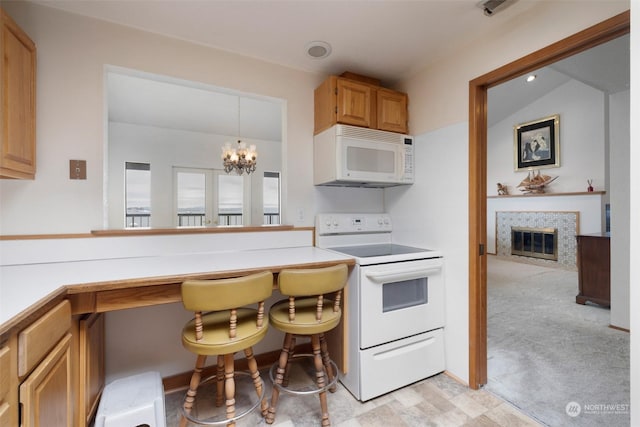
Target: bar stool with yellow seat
[(224, 325), (308, 313)]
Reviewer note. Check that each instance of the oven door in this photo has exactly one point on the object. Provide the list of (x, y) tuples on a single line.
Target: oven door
[(400, 299)]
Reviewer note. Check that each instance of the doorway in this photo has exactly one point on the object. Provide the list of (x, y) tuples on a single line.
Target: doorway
[(593, 36)]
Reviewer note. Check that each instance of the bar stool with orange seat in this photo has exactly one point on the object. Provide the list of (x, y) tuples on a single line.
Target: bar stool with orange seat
[(224, 325), (308, 313)]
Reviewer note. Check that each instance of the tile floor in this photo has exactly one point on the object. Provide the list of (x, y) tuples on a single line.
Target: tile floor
[(436, 401)]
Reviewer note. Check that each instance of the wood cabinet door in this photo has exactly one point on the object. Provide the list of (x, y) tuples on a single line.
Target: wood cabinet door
[(353, 103), (9, 382), (47, 394), (18, 98), (91, 365), (392, 112)]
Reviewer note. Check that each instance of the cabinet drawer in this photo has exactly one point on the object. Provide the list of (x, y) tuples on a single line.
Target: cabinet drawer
[(4, 379), (38, 339)]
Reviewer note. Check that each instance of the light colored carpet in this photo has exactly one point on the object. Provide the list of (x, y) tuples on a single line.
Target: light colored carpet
[(545, 352)]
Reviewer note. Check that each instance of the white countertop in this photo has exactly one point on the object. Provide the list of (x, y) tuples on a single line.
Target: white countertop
[(22, 286)]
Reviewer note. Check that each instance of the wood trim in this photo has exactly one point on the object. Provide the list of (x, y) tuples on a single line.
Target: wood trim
[(477, 235), (618, 328), (600, 33), (120, 299), (156, 231), (577, 193), (595, 35), (141, 282), (189, 230), (44, 236)]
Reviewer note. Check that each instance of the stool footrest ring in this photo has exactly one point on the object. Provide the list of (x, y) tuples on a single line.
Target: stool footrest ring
[(316, 390), (225, 421)]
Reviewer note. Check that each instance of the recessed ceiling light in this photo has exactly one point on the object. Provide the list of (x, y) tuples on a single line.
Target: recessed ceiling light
[(531, 77), (318, 49)]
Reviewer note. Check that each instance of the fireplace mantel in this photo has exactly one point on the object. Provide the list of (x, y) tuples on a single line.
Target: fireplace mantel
[(577, 193)]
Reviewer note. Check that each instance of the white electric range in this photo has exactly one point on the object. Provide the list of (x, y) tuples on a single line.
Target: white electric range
[(395, 304)]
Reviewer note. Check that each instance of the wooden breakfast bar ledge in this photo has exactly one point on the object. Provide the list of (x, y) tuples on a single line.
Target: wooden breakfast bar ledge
[(95, 286)]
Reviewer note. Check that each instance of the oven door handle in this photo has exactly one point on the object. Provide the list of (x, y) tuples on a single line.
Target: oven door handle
[(401, 275)]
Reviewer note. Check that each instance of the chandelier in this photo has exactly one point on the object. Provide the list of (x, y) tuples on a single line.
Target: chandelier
[(240, 159)]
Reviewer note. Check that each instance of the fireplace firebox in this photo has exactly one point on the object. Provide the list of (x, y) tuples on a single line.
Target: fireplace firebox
[(535, 242)]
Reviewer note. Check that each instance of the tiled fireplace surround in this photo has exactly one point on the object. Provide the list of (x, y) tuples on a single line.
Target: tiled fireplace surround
[(565, 222)]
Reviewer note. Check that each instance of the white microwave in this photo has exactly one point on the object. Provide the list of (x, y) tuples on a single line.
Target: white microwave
[(352, 156)]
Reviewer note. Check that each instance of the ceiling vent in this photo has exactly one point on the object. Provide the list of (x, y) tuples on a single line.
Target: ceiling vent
[(492, 6), (318, 49)]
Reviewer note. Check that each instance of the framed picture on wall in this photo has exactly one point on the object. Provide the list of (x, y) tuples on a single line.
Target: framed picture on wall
[(537, 144)]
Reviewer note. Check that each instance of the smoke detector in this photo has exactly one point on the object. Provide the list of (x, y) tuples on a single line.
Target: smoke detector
[(490, 7)]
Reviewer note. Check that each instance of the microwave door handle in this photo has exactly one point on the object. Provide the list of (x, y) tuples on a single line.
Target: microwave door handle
[(400, 275)]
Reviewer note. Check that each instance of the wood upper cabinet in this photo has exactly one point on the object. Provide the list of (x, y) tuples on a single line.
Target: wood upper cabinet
[(18, 100), (353, 103), (392, 110), (359, 103)]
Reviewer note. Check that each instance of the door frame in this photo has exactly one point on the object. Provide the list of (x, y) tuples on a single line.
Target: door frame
[(605, 31)]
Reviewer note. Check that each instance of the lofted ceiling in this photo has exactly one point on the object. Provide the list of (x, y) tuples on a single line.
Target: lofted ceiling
[(605, 67), (388, 39)]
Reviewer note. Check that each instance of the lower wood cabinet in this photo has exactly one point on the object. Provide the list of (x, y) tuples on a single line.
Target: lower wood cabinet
[(91, 365), (47, 394), (5, 414), (594, 269), (53, 369), (8, 393)]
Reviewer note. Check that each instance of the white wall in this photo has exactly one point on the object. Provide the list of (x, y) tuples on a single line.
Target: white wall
[(70, 124), (619, 192), (634, 227), (440, 105), (582, 140), (582, 151), (426, 215), (70, 116)]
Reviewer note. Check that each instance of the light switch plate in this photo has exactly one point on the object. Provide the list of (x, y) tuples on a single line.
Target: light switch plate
[(77, 169)]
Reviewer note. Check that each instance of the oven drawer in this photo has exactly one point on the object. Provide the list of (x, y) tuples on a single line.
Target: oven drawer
[(394, 365)]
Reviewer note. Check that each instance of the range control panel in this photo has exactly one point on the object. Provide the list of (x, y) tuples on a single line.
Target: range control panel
[(339, 223)]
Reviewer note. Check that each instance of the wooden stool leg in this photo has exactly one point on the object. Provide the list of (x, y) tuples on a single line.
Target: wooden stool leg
[(193, 388), (220, 381), (282, 364), (230, 387), (292, 346), (320, 378), (257, 382), (327, 362)]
